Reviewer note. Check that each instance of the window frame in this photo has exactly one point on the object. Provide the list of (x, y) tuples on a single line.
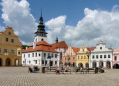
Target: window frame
[(6, 39)]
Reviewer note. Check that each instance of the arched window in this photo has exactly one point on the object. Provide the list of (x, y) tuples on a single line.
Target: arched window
[(42, 39)]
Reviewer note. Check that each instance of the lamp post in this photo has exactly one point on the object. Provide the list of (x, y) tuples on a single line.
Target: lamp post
[(49, 57), (88, 54)]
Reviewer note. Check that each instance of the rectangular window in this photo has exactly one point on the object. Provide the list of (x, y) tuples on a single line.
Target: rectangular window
[(55, 55), (97, 56), (12, 40), (55, 62), (104, 56), (65, 58), (60, 55), (28, 55), (19, 51), (93, 56), (42, 61), (73, 58), (115, 58), (52, 55), (78, 57), (36, 54), (7, 39), (39, 54), (48, 54), (29, 62), (0, 50), (12, 51), (84, 57), (44, 55), (100, 56), (5, 50), (81, 57), (108, 56), (24, 55), (32, 54), (100, 47)]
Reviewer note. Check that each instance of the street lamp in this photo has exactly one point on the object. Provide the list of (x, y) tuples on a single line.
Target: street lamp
[(88, 54), (49, 57)]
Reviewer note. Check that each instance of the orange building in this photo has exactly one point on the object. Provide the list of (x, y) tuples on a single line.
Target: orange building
[(70, 56)]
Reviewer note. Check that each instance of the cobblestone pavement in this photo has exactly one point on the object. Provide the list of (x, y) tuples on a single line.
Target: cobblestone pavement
[(19, 76)]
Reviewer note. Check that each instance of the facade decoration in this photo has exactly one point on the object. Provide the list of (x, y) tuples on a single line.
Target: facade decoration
[(82, 58), (69, 57), (10, 48), (115, 58), (101, 56)]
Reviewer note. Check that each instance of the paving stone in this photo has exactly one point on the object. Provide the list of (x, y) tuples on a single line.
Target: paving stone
[(19, 76)]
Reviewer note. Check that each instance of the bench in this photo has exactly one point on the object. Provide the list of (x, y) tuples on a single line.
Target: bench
[(90, 70), (53, 69)]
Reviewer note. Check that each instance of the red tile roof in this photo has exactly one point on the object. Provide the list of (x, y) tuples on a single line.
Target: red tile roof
[(61, 44), (75, 49), (90, 48), (41, 46)]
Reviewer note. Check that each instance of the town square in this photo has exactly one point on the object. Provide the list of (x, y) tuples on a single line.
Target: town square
[(39, 49), (19, 76)]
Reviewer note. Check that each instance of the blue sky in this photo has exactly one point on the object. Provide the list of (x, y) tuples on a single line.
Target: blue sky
[(72, 13)]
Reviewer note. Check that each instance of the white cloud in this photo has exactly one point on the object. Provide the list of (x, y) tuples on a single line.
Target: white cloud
[(96, 25), (17, 15)]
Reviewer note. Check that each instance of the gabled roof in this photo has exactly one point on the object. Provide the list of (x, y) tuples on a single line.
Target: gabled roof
[(42, 43), (61, 44), (90, 48), (117, 49), (75, 49), (41, 46)]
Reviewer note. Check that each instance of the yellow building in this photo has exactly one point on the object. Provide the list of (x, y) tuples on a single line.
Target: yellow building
[(82, 58), (10, 48)]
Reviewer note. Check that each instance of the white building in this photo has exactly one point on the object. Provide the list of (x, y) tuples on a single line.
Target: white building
[(101, 56), (37, 53)]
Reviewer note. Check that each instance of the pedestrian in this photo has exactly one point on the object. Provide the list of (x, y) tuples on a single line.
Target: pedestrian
[(62, 70), (82, 70)]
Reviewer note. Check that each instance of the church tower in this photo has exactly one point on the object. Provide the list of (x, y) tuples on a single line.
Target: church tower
[(41, 35)]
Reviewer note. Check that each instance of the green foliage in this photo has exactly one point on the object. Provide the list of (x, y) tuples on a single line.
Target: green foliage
[(24, 46)]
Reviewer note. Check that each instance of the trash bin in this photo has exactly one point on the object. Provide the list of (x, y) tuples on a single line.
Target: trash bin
[(43, 69), (96, 70)]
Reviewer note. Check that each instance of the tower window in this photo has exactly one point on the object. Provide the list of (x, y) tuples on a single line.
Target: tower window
[(42, 39)]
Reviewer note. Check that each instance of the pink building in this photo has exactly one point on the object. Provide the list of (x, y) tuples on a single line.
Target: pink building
[(115, 58)]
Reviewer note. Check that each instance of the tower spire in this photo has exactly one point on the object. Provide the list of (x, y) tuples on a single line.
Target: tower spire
[(41, 11)]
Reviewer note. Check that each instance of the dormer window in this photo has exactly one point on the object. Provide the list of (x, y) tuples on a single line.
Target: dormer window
[(83, 50), (100, 47), (9, 33)]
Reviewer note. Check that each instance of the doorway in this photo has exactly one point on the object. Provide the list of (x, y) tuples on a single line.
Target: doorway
[(16, 62)]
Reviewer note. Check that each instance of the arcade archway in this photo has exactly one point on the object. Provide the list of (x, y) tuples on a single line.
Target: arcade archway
[(116, 66), (0, 62), (80, 65), (16, 62), (8, 62), (86, 65)]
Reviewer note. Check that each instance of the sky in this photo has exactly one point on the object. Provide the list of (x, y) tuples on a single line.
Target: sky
[(78, 23)]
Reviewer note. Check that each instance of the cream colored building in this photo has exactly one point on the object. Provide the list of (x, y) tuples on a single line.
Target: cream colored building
[(10, 48)]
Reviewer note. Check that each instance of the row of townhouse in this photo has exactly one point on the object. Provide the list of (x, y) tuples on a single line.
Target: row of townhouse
[(99, 56)]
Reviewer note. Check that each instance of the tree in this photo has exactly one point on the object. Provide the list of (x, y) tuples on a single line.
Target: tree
[(24, 46)]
